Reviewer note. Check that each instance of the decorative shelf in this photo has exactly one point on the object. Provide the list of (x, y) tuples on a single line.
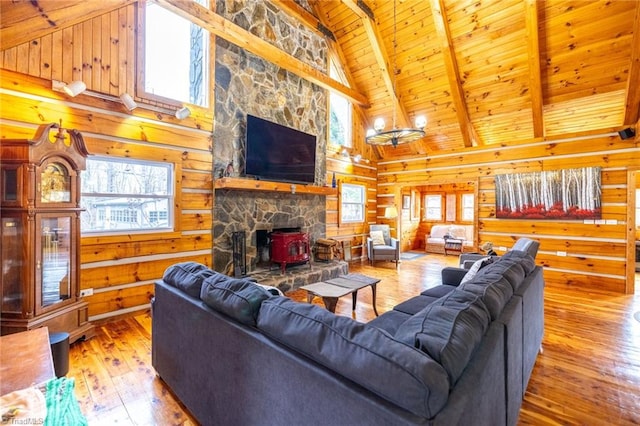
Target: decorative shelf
[(265, 185)]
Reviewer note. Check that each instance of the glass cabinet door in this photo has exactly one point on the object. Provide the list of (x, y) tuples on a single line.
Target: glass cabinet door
[(53, 266), (12, 264)]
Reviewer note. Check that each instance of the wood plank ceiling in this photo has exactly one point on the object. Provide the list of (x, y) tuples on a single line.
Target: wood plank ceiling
[(492, 71), (482, 71)]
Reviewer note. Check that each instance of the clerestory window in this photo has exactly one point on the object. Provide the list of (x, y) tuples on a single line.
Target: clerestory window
[(176, 56)]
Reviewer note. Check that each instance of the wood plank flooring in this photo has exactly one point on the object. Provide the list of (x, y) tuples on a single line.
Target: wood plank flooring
[(588, 374)]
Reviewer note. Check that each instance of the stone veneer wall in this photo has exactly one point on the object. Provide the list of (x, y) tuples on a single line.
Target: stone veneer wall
[(251, 211), (246, 84)]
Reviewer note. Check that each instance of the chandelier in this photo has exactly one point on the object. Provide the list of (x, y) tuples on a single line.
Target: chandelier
[(395, 136)]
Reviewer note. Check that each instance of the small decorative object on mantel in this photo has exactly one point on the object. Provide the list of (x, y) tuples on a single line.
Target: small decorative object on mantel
[(229, 170)]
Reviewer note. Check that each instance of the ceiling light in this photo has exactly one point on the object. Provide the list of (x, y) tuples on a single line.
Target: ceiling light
[(183, 113), (395, 136), (128, 101)]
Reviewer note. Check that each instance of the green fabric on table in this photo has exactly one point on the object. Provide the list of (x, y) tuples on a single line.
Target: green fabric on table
[(62, 407)]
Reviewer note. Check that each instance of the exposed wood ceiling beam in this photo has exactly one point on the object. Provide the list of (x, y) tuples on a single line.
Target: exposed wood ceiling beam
[(632, 103), (382, 59), (23, 21), (469, 135), (535, 79), (221, 27)]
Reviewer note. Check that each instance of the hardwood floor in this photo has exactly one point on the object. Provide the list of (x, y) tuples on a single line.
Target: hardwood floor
[(588, 373)]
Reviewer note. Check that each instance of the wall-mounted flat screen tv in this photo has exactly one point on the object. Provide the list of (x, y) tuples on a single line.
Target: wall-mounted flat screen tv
[(279, 153)]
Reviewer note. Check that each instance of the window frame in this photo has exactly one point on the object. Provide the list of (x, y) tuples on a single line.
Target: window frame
[(172, 198), (426, 207), (140, 88), (463, 208), (362, 204), (337, 75)]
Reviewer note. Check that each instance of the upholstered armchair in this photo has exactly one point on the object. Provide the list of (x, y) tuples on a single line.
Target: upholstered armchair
[(384, 248)]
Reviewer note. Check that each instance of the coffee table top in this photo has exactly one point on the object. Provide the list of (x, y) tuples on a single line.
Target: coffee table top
[(324, 289), (340, 286)]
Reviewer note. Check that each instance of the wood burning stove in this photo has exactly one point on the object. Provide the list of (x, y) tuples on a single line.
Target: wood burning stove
[(289, 248)]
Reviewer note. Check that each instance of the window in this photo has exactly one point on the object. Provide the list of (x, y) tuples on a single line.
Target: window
[(352, 203), (176, 56), (433, 204), (339, 114), (468, 202), (121, 195)]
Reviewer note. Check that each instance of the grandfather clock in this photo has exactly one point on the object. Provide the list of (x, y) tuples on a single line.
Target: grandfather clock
[(40, 231)]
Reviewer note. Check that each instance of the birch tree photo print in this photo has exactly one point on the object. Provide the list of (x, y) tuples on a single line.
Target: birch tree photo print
[(573, 194)]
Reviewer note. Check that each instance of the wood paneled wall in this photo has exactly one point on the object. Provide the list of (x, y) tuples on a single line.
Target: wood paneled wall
[(101, 51), (596, 254)]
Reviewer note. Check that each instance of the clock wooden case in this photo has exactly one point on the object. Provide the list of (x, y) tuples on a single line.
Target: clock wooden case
[(40, 231)]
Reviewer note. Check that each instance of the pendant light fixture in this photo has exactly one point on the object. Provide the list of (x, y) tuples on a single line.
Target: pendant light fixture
[(395, 136)]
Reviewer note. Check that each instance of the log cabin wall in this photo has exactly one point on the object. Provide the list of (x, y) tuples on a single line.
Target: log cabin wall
[(596, 254), (100, 51)]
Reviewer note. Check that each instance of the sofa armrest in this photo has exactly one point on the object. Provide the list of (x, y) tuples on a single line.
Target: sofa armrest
[(467, 259), (453, 276)]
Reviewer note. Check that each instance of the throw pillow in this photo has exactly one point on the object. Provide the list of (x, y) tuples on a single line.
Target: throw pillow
[(477, 265), (377, 237)]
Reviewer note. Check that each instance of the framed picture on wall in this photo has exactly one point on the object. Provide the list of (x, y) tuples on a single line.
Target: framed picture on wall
[(406, 202)]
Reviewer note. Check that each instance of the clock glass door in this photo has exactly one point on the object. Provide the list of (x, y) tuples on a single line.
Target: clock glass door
[(53, 269)]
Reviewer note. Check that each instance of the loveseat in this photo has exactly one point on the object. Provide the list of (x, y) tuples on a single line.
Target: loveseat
[(236, 354), (434, 242)]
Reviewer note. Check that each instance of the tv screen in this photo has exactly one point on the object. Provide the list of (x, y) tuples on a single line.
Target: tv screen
[(279, 153)]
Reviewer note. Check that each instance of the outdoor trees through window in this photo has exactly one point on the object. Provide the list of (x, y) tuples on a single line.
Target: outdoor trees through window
[(124, 195)]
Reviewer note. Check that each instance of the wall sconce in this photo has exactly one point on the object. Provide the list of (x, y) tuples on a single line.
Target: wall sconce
[(355, 158), (128, 102), (183, 113), (72, 89)]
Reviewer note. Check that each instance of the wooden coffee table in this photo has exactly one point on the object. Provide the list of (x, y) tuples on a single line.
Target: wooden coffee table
[(331, 290)]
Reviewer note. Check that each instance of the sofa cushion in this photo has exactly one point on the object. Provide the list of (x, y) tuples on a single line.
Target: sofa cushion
[(438, 291), (449, 330), (187, 276), (389, 321), (494, 290), (237, 298), (415, 304), (526, 261), (365, 354)]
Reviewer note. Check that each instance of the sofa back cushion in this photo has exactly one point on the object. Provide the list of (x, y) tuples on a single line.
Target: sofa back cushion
[(238, 298), (439, 231), (449, 330), (494, 290), (362, 353), (188, 277)]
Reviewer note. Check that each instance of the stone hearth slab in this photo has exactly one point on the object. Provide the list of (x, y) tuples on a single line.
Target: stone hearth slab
[(298, 275)]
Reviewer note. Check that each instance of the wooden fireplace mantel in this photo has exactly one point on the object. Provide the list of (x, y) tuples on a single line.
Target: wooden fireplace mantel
[(265, 185)]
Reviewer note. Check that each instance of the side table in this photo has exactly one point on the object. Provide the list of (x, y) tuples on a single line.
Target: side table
[(453, 245)]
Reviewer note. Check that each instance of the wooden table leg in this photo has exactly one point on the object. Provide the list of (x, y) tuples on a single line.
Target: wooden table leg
[(354, 298), (330, 303), (373, 299), (309, 297)]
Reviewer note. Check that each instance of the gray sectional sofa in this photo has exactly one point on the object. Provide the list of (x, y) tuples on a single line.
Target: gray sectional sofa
[(236, 354)]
